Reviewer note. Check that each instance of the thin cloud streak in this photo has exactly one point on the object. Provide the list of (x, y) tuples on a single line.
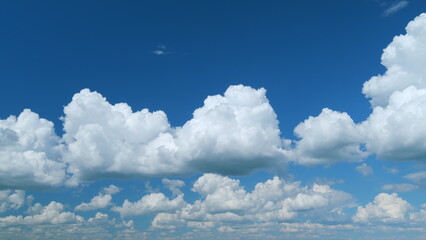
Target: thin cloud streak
[(395, 8)]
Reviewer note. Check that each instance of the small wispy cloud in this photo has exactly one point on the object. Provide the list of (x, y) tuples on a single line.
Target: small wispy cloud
[(364, 169), (395, 8), (161, 50)]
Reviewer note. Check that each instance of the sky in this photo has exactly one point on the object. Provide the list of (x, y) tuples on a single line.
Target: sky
[(213, 119)]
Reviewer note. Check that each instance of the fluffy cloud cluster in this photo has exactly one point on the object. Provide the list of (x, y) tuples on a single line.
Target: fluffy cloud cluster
[(231, 134), (53, 213), (224, 200)]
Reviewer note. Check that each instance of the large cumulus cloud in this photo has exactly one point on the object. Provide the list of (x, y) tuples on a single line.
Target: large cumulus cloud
[(404, 59), (231, 134), (30, 153)]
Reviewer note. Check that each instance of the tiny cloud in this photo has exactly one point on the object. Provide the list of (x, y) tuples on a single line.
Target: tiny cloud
[(161, 50)]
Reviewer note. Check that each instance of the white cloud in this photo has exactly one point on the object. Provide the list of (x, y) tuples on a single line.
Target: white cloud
[(364, 169), (328, 138), (386, 208), (102, 200), (105, 140), (173, 185), (417, 177), (111, 189), (29, 153), (403, 58), (401, 187), (397, 131), (151, 203), (395, 8), (11, 200), (97, 202)]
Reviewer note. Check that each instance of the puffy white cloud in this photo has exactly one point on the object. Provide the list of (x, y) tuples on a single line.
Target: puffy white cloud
[(11, 199), (397, 131), (102, 200), (29, 153), (328, 138), (53, 213), (404, 59), (401, 187), (97, 202), (386, 208), (151, 203), (173, 185), (234, 133), (364, 169)]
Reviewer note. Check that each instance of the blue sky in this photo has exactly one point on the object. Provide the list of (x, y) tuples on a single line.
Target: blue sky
[(213, 119)]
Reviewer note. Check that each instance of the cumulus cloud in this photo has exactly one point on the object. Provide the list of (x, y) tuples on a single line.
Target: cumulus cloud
[(151, 203), (102, 200), (53, 213), (328, 138), (97, 202), (173, 185), (29, 153), (224, 200), (231, 134), (403, 58), (364, 169), (395, 130), (386, 208)]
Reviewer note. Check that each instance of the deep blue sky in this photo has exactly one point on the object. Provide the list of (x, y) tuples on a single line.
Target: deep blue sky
[(307, 54)]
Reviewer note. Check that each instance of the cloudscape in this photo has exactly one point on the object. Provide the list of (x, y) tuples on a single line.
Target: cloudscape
[(213, 120)]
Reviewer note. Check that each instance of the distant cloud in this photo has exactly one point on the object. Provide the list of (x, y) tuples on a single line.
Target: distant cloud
[(402, 187), (161, 50), (395, 8), (364, 169)]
